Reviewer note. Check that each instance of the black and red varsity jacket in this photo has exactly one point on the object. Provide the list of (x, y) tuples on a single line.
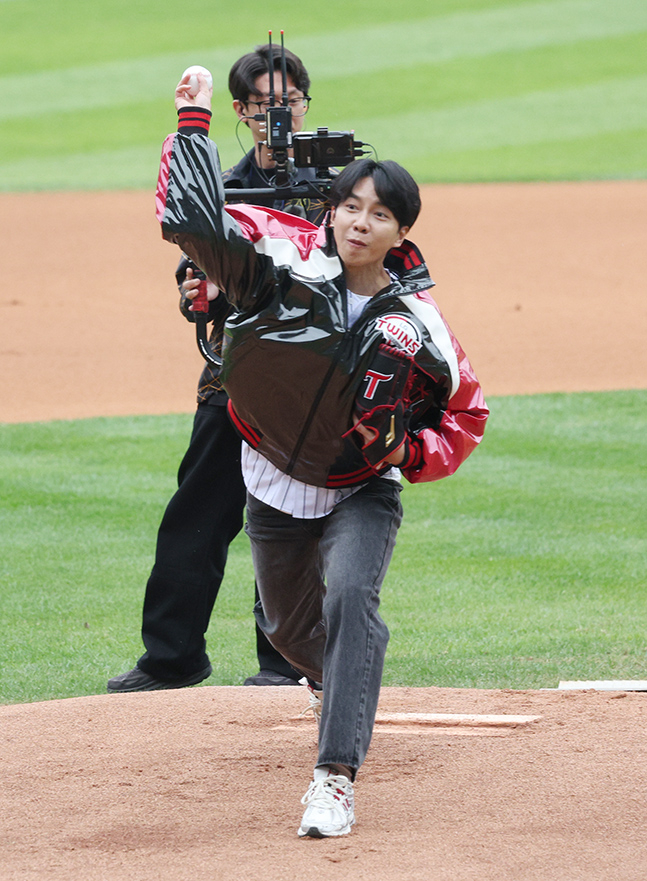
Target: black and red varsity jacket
[(292, 366)]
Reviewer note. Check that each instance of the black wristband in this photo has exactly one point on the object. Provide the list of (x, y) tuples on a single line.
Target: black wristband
[(193, 120)]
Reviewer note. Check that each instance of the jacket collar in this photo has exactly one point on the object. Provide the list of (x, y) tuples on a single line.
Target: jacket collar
[(409, 265)]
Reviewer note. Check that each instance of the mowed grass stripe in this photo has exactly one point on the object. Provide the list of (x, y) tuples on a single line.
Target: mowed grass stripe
[(441, 39), (542, 118), (123, 168), (448, 85), (453, 84), (356, 51), (620, 155), (467, 81)]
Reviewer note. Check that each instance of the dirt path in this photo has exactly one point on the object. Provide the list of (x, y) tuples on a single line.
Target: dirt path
[(544, 286)]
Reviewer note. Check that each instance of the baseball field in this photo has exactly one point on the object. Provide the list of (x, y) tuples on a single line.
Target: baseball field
[(525, 122)]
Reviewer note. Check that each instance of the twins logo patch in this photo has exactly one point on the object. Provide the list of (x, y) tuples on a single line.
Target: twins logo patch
[(401, 332)]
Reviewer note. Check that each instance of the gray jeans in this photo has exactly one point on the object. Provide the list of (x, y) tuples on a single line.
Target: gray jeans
[(319, 583)]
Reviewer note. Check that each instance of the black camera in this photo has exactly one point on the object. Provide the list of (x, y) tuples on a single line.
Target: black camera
[(324, 150)]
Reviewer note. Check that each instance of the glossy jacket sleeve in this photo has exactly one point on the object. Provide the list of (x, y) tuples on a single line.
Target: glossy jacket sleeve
[(436, 453), (190, 206)]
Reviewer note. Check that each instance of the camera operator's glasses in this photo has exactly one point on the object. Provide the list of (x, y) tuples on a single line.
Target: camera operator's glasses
[(298, 106)]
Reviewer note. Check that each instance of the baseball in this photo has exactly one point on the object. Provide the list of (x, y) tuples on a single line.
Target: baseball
[(193, 82)]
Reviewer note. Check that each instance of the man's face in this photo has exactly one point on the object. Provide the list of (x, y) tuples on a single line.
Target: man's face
[(365, 230), (258, 102)]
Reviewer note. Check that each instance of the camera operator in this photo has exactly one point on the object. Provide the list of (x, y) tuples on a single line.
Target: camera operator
[(206, 512)]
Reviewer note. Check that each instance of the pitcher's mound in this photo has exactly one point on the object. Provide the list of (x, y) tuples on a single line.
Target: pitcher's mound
[(205, 783)]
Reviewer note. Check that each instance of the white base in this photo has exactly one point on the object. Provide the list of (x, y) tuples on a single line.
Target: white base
[(607, 685)]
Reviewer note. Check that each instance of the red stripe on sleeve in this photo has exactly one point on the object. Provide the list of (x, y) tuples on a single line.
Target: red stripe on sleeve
[(162, 179), (192, 120)]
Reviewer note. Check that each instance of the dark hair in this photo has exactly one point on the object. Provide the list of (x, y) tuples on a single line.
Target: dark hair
[(245, 72), (395, 187)]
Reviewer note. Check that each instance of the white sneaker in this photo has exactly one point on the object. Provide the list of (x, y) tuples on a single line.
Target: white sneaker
[(315, 698), (330, 807)]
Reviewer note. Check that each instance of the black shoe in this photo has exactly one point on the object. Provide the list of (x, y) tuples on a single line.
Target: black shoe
[(269, 677), (137, 680)]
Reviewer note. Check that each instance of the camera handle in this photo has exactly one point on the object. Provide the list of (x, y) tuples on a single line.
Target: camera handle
[(201, 317)]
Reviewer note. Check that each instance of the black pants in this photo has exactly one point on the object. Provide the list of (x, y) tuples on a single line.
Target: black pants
[(201, 520)]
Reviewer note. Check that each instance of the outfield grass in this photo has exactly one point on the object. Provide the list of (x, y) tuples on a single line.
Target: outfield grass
[(524, 568), (457, 90)]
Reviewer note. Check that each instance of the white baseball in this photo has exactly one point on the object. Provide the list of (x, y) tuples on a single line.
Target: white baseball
[(193, 82)]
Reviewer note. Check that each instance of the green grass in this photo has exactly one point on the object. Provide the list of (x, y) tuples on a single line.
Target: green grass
[(457, 90), (529, 566), (524, 568)]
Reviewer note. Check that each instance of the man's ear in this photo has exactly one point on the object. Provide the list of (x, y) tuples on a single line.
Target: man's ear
[(239, 109), (404, 230)]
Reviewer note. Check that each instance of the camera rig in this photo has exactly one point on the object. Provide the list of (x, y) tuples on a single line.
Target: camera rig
[(322, 150)]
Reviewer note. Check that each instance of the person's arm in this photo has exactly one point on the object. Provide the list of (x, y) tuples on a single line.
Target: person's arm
[(434, 453), (190, 204), (440, 385)]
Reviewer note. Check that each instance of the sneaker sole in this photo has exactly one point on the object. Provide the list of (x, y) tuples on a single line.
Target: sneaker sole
[(163, 686), (314, 832), (261, 681)]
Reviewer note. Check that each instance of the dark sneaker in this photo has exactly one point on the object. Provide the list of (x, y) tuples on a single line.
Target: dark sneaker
[(137, 680), (269, 677), (330, 806)]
